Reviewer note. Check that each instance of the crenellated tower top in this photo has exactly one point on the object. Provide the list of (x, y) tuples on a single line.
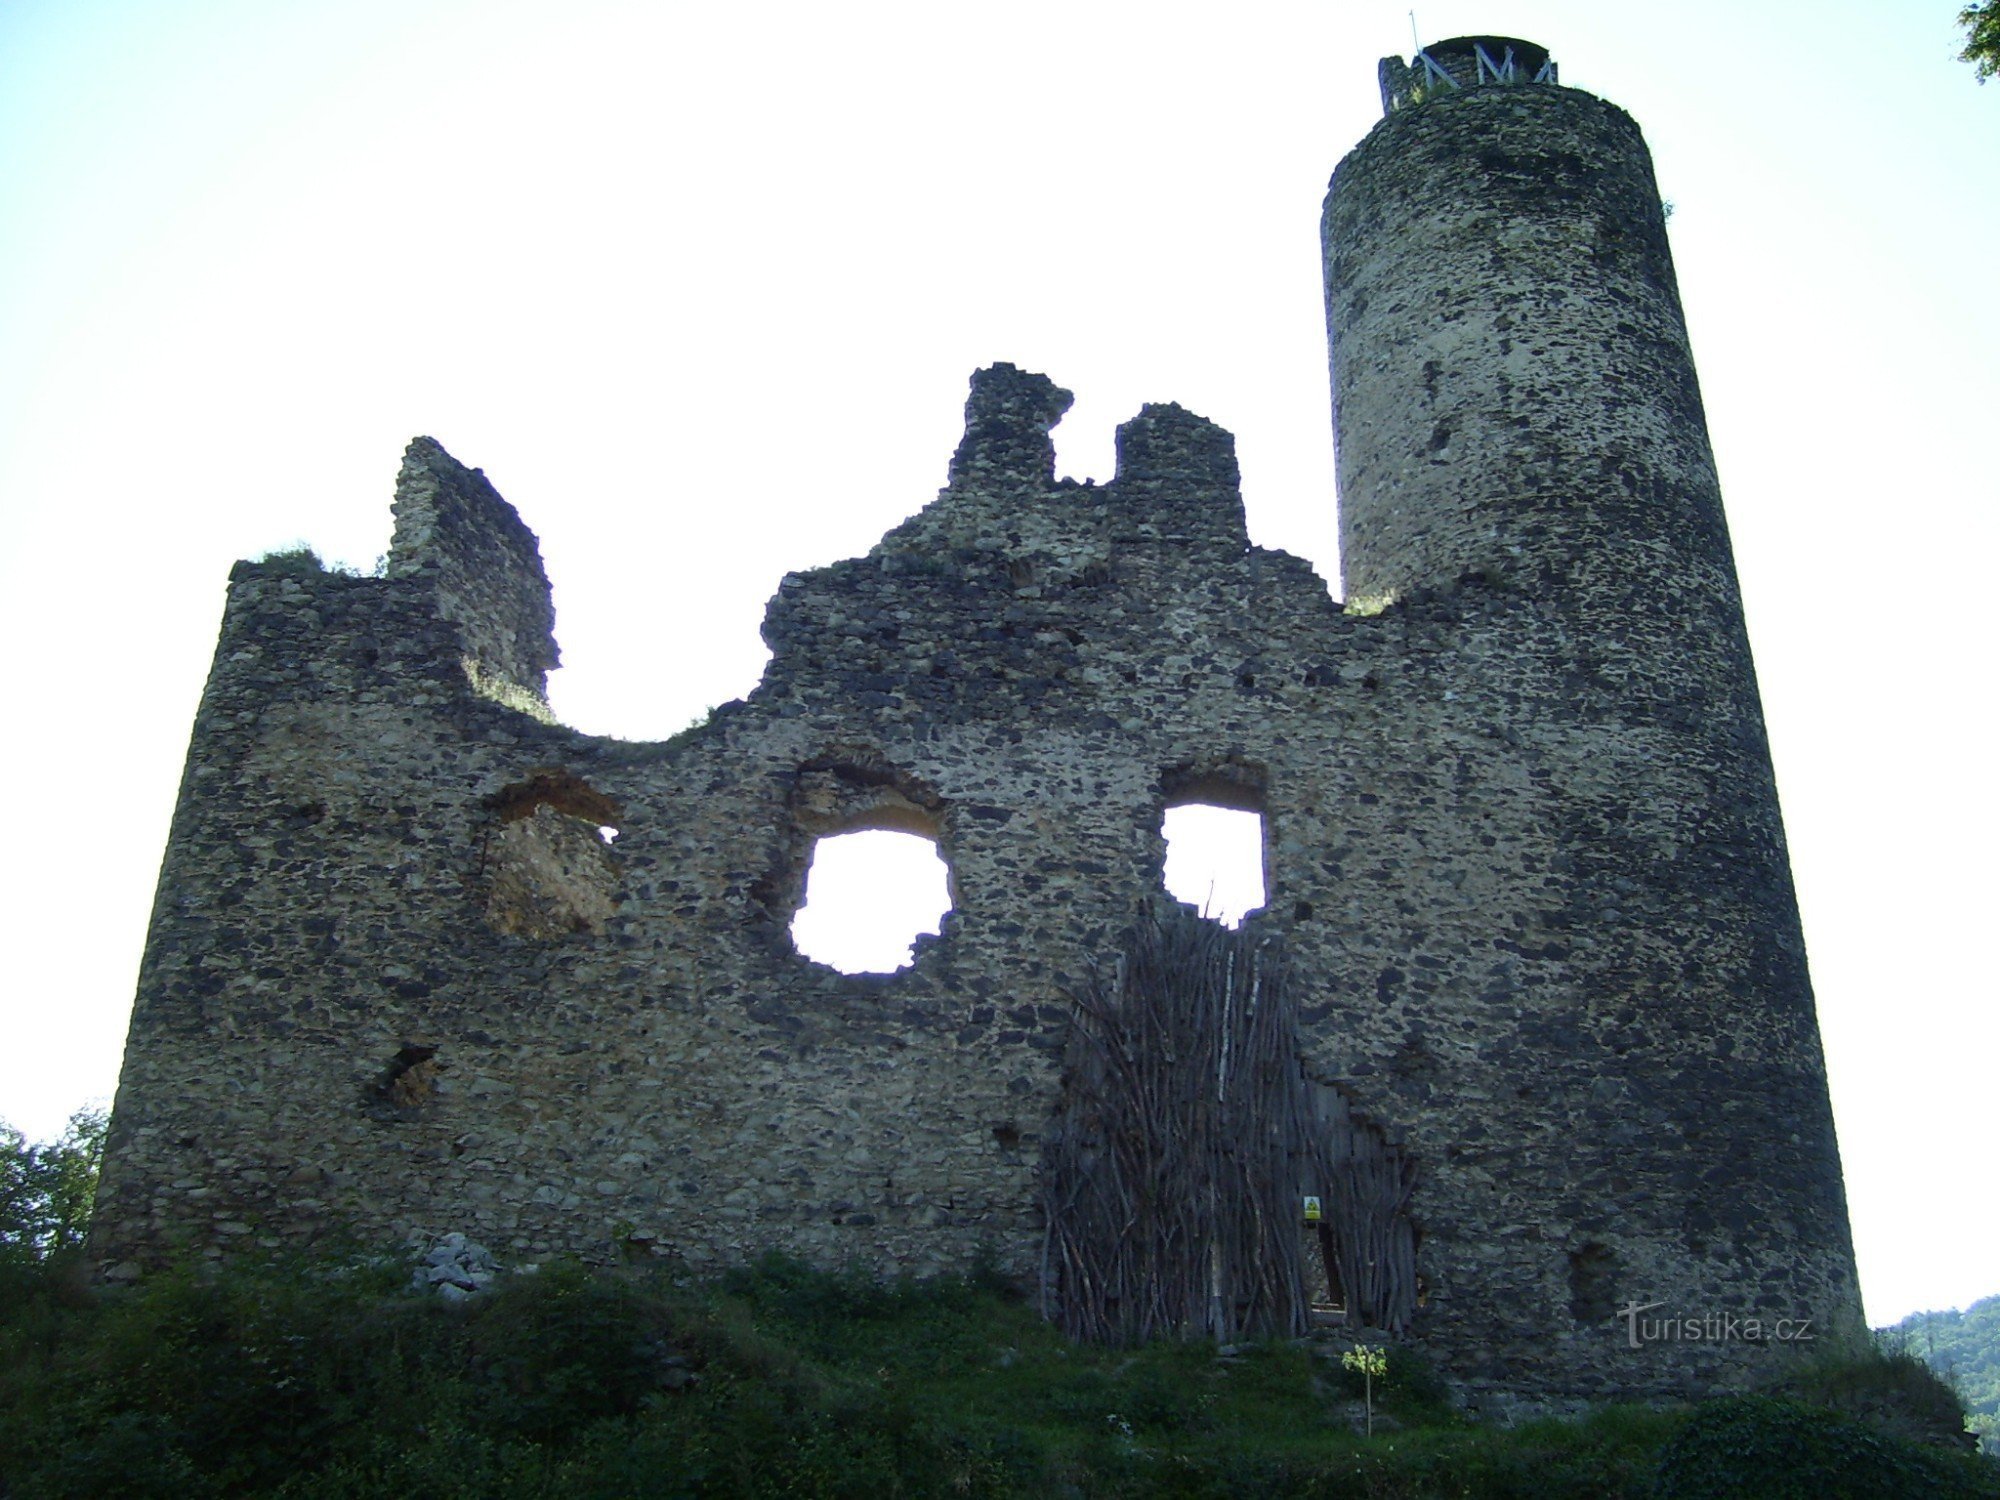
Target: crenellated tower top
[(1464, 62)]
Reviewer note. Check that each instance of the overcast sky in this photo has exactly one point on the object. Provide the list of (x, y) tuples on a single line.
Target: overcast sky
[(699, 287)]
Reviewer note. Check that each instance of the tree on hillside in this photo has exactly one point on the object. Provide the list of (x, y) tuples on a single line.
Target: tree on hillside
[(46, 1189), (1982, 38), (1964, 1347)]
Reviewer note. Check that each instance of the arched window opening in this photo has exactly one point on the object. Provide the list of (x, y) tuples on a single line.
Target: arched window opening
[(869, 896), (1215, 859)]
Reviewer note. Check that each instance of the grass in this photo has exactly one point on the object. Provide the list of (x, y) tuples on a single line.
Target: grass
[(307, 1380)]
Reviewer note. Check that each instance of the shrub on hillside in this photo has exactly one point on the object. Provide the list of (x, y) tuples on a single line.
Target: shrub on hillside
[(1785, 1450)]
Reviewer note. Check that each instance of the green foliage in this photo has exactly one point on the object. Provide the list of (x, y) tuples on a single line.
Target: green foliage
[(1785, 1450), (298, 558), (567, 1348), (46, 1190), (233, 1379), (315, 1381), (1883, 1383), (1404, 1383), (1368, 1359), (1964, 1347), (1982, 38)]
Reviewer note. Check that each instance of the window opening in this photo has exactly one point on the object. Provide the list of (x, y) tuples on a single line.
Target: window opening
[(1215, 859), (869, 896)]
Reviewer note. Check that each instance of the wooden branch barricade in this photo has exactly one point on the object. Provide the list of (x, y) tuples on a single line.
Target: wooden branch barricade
[(1187, 1137)]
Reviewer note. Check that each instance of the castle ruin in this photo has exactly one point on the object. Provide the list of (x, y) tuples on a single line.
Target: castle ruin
[(1522, 847)]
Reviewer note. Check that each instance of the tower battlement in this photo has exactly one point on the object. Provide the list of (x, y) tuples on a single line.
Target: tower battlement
[(1464, 62)]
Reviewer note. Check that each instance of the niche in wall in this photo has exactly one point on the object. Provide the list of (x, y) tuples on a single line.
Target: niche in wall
[(548, 867)]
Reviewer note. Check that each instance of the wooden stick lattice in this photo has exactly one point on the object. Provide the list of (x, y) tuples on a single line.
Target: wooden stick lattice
[(1186, 1139)]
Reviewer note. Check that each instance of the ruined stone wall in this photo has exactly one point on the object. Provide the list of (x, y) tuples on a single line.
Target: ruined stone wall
[(1528, 872)]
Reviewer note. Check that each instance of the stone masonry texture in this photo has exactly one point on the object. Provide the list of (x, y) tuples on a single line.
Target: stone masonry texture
[(1521, 839)]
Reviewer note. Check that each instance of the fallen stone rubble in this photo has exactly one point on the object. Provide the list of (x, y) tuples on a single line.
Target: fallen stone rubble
[(455, 1267)]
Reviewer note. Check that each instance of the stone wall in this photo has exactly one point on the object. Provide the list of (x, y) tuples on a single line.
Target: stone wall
[(1521, 846)]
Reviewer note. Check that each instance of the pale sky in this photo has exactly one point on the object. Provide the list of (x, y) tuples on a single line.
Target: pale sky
[(699, 287)]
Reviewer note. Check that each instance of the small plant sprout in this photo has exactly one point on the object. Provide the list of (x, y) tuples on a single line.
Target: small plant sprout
[(1371, 1362)]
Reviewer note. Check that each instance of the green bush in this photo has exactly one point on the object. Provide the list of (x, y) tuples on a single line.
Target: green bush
[(1784, 1450), (298, 560), (557, 1352), (1885, 1384), (237, 1379), (1411, 1389)]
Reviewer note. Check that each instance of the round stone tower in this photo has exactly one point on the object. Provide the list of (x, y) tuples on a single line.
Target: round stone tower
[(1521, 449), (1513, 390)]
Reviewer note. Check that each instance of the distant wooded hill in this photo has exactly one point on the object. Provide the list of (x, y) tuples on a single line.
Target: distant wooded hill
[(1964, 1347)]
